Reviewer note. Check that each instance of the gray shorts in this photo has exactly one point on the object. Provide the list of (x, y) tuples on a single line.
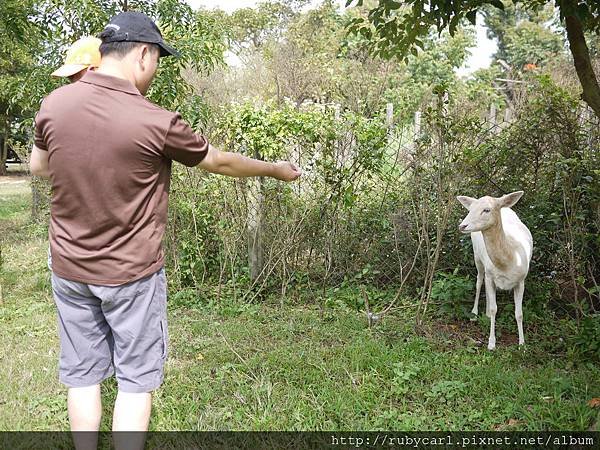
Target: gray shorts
[(106, 330)]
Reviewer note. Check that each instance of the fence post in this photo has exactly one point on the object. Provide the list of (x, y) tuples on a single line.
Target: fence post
[(416, 131), (508, 115), (254, 225), (341, 153), (389, 117), (492, 114)]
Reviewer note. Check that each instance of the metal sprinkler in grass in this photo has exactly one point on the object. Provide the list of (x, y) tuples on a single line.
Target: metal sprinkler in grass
[(373, 318)]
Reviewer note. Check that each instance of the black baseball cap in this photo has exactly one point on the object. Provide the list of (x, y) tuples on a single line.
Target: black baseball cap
[(135, 26)]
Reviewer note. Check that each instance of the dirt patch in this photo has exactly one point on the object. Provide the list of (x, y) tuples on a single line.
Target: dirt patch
[(8, 179), (14, 185), (469, 333)]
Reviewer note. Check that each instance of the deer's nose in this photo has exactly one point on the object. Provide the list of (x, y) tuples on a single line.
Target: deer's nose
[(462, 227)]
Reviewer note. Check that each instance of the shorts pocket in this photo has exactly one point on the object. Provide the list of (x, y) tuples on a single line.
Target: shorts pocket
[(164, 338)]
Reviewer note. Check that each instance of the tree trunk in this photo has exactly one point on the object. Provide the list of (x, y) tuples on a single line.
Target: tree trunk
[(4, 148), (583, 64)]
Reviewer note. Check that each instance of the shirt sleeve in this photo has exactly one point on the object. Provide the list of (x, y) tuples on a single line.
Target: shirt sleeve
[(41, 123), (183, 145)]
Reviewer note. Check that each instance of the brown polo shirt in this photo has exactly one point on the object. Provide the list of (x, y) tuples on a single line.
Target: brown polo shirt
[(110, 154)]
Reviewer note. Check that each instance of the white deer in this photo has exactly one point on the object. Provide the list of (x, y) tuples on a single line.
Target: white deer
[(502, 246)]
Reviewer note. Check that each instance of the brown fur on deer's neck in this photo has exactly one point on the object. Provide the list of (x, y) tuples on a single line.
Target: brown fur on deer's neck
[(498, 245)]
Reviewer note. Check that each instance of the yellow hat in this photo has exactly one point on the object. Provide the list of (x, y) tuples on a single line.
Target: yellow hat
[(84, 52)]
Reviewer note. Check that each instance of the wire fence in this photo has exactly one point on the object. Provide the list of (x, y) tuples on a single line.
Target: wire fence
[(376, 205), (353, 213), (381, 212)]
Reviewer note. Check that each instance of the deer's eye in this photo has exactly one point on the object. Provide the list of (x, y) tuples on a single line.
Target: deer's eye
[(486, 210)]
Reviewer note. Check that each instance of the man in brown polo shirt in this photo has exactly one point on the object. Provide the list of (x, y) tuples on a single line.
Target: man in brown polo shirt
[(108, 153)]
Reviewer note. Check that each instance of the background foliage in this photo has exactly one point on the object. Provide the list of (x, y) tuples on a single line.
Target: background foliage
[(376, 207)]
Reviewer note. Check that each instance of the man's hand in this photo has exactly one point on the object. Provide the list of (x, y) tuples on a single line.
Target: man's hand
[(286, 171)]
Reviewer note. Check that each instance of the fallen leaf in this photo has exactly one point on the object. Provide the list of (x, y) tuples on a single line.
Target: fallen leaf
[(507, 425), (199, 357), (594, 403)]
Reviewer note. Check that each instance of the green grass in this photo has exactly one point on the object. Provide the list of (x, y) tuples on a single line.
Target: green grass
[(292, 367)]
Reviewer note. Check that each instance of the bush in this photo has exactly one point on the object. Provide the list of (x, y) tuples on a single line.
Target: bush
[(454, 294), (372, 196), (587, 339)]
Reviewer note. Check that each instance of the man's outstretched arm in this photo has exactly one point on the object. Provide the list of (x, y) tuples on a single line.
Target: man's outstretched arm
[(237, 165), (38, 164)]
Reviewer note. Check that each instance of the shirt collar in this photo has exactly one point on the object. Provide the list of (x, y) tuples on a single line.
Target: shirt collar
[(110, 82)]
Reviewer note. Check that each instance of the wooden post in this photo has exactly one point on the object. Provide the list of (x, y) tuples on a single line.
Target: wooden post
[(416, 131), (254, 225), (389, 122), (389, 117), (492, 114), (508, 113), (411, 152), (341, 155)]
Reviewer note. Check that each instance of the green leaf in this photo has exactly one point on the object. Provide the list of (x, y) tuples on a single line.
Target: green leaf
[(497, 4), (453, 25), (583, 11), (472, 17)]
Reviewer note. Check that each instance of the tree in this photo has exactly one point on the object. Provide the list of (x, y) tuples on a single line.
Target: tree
[(523, 35), (311, 58), (397, 28), (19, 39), (248, 29), (37, 32), (305, 62)]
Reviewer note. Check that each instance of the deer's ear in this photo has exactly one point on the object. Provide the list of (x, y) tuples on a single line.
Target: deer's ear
[(510, 200), (465, 201)]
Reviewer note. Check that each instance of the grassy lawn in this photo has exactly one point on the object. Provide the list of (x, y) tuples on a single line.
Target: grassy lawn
[(292, 367)]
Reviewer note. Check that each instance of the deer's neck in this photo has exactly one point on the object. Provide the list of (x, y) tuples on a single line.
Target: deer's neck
[(499, 246)]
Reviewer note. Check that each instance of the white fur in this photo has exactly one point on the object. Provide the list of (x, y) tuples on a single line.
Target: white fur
[(513, 227), (512, 277)]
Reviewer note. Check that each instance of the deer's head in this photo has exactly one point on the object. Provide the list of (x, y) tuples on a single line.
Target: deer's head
[(484, 212)]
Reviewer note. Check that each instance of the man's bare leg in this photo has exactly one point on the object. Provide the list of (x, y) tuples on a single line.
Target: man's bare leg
[(85, 411), (132, 413)]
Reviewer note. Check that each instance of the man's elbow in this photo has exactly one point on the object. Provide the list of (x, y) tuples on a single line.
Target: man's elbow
[(38, 171), (215, 162)]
